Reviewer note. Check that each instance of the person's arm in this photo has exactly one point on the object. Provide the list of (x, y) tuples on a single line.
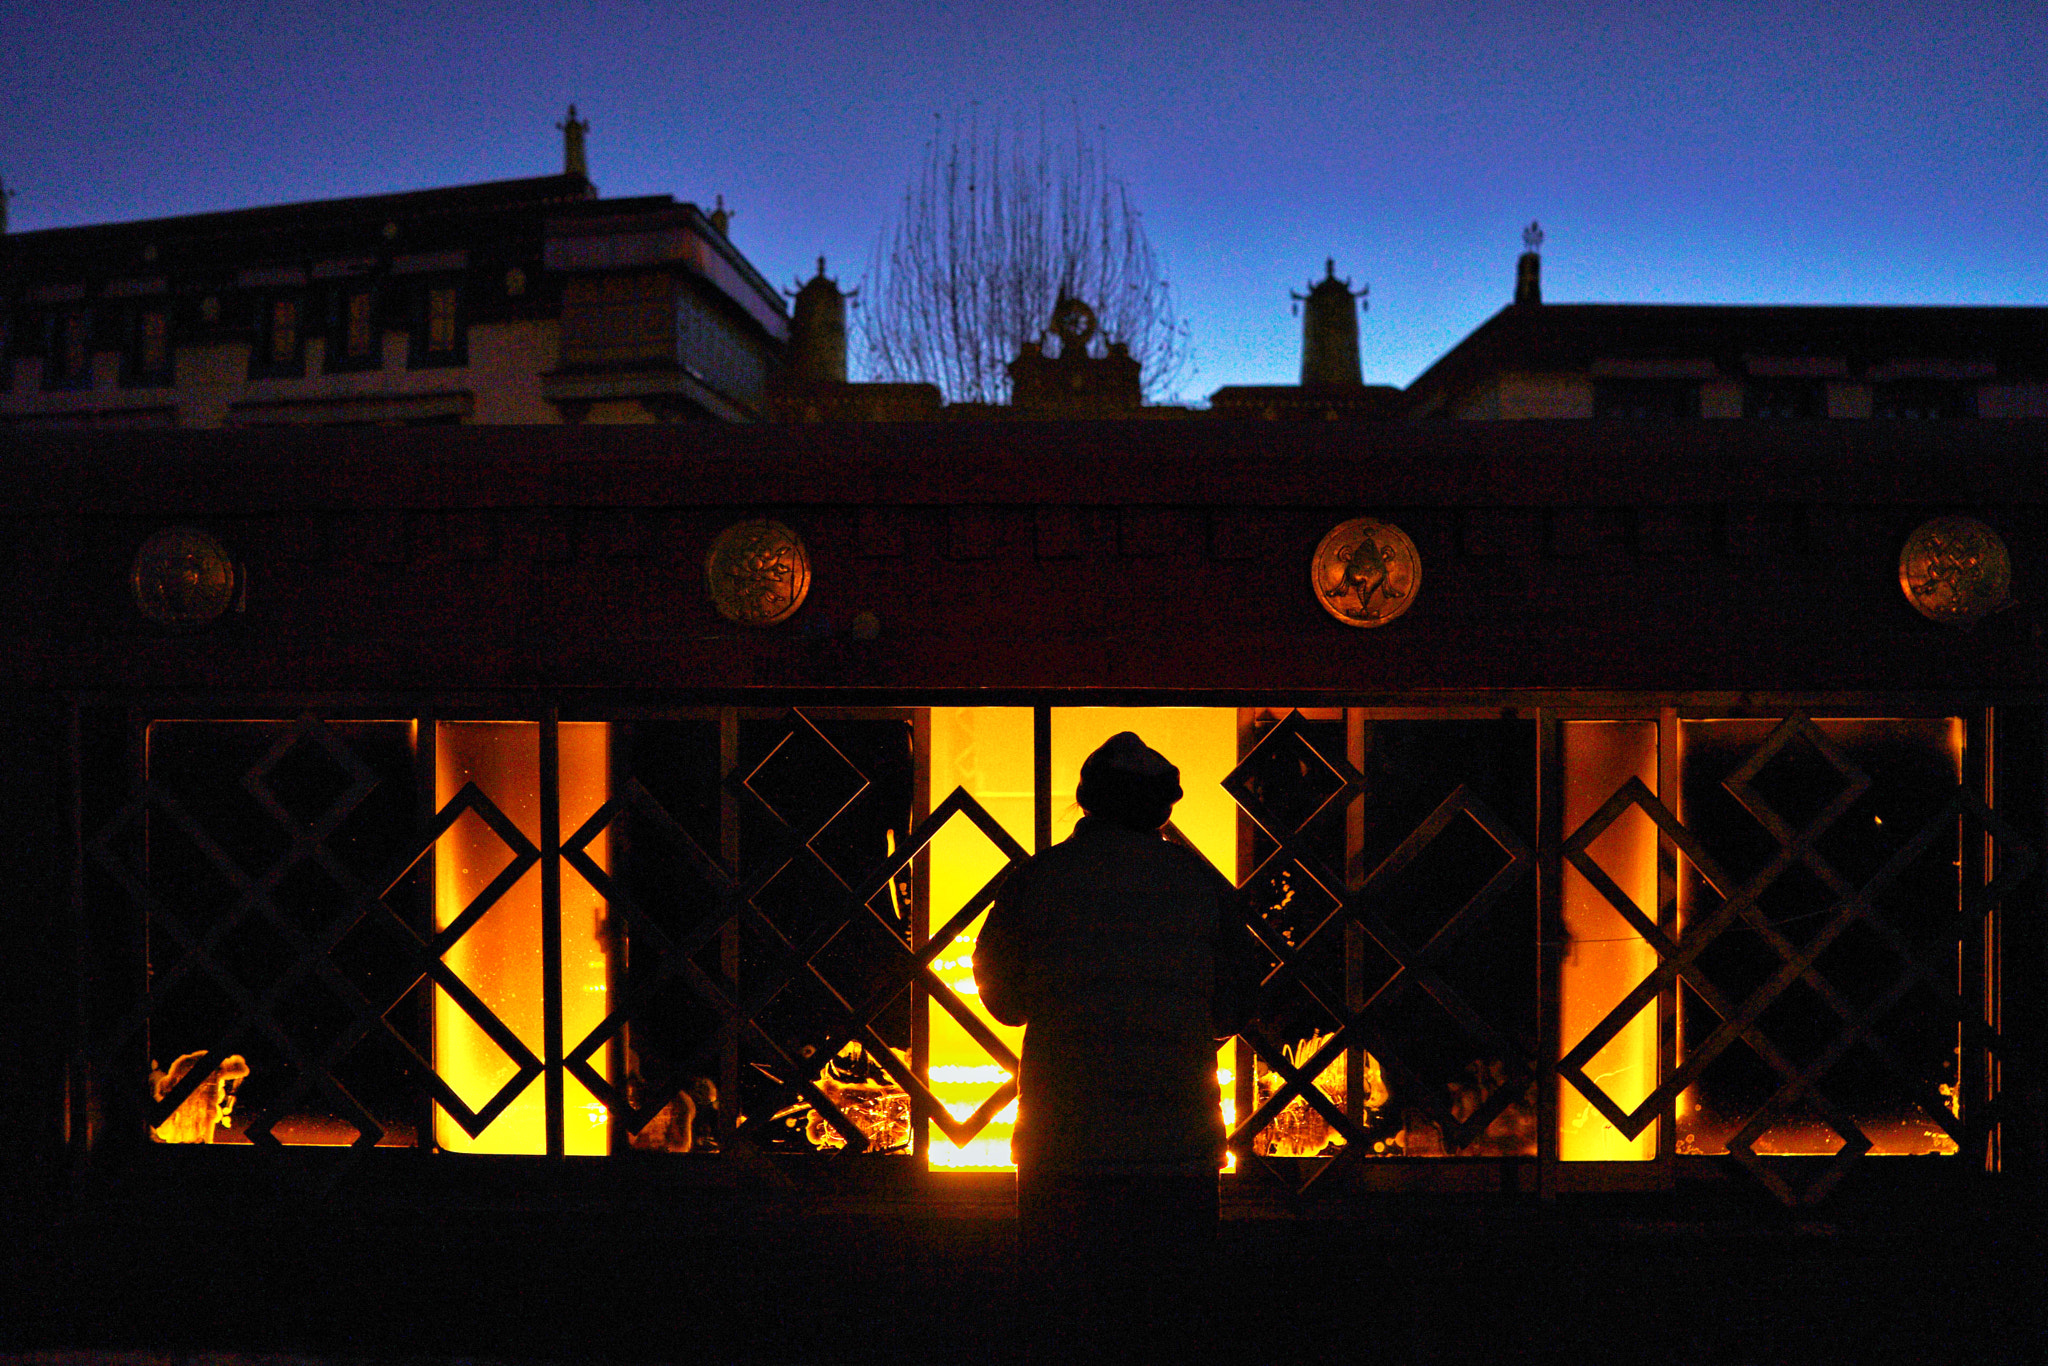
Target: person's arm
[(1000, 952), (1240, 966)]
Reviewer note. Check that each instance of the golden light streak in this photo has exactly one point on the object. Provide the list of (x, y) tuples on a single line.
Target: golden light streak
[(1606, 958), (500, 957), (988, 750)]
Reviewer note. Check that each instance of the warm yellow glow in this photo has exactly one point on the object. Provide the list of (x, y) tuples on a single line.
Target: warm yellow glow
[(988, 750), (500, 957), (1607, 959), (1202, 741)]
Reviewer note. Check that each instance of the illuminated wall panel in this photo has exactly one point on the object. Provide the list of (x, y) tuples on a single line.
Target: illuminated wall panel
[(500, 956), (1606, 959), (986, 750)]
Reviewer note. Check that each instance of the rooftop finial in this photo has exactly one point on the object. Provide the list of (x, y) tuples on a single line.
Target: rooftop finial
[(721, 217), (1329, 330), (573, 130), (1529, 270)]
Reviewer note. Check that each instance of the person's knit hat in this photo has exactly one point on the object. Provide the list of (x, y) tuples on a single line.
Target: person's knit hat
[(1126, 753)]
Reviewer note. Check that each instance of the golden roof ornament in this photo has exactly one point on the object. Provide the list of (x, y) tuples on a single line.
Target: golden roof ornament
[(757, 572), (1366, 572), (573, 129), (183, 577), (1955, 570)]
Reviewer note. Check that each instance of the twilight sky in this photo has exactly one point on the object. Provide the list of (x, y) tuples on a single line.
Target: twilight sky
[(1699, 152)]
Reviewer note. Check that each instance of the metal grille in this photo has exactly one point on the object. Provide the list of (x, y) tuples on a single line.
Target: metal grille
[(1316, 930), (282, 903), (1851, 904)]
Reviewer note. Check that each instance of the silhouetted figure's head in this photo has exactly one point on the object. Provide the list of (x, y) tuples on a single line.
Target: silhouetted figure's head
[(1129, 784)]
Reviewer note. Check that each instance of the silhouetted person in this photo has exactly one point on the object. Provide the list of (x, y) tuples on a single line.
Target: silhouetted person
[(1109, 948)]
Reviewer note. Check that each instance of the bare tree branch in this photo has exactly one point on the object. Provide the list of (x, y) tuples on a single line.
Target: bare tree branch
[(990, 235)]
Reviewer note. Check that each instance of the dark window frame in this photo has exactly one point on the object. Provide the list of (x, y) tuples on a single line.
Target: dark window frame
[(67, 349), (421, 353), (264, 359), (137, 371), (1788, 400), (341, 358), (1646, 400), (1923, 400)]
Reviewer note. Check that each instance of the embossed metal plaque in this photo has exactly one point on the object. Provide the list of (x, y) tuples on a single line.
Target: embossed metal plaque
[(757, 572), (1955, 570), (182, 577), (1366, 573)]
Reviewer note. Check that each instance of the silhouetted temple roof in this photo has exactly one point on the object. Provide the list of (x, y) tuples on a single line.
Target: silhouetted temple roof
[(1576, 337), (546, 191)]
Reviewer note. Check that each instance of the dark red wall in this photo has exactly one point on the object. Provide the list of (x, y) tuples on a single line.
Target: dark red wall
[(1151, 556)]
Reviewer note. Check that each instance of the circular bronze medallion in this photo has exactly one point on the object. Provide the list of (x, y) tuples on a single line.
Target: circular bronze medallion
[(182, 577), (757, 572), (1366, 573), (1956, 570)]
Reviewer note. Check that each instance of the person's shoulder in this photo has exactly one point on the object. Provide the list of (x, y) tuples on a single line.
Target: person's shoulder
[(1182, 858)]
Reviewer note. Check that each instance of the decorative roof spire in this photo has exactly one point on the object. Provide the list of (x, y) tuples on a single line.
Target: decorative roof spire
[(1529, 269), (573, 130), (1329, 330), (720, 216)]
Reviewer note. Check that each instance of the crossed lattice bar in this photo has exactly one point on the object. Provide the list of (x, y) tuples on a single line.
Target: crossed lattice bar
[(1417, 967), (736, 900), (1851, 905)]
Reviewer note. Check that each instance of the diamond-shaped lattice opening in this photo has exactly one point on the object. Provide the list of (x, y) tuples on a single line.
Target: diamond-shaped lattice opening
[(805, 780), (1799, 1023), (1860, 966), (255, 954), (187, 882), (308, 781), (309, 1111), (1797, 904), (313, 1017), (1798, 781), (470, 1062), (1443, 876), (804, 900), (1285, 781), (862, 959), (1287, 905), (1800, 1131), (378, 958), (309, 898), (803, 1016)]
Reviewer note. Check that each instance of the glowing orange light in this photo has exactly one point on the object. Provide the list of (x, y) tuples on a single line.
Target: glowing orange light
[(500, 956), (1607, 958), (988, 750)]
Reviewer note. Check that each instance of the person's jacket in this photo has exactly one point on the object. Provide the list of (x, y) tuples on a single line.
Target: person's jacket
[(1105, 947)]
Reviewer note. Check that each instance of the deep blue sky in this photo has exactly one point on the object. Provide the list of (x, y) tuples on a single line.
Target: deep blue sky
[(1847, 153)]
